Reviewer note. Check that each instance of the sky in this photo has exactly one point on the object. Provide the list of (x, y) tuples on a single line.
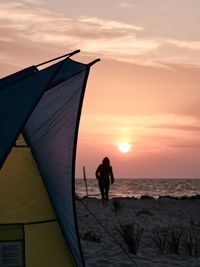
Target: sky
[(145, 91)]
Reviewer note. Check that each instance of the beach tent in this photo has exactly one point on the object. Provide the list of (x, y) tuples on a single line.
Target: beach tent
[(39, 117)]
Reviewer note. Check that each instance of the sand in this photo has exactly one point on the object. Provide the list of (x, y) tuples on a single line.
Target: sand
[(101, 240)]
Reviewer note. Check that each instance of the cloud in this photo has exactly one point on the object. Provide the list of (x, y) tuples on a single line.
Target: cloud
[(192, 145), (27, 24), (126, 5), (36, 24), (148, 124), (177, 127), (110, 25), (145, 133), (193, 45)]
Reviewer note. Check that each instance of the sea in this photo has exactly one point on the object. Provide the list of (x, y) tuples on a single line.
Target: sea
[(141, 187)]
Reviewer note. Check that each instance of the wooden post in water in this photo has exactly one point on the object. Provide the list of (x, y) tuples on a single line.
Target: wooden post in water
[(84, 176)]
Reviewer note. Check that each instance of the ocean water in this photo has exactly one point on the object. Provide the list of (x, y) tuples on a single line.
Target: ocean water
[(139, 187)]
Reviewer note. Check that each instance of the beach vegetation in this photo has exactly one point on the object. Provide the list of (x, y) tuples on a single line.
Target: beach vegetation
[(160, 239), (92, 237), (194, 223), (116, 206), (131, 235), (144, 211), (174, 238), (191, 243), (168, 239)]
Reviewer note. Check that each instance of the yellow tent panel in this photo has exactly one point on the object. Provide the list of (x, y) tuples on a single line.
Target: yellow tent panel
[(28, 223)]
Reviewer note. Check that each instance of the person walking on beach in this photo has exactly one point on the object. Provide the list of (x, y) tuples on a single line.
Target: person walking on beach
[(104, 175)]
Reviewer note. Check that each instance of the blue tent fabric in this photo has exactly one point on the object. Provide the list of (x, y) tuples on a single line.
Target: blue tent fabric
[(51, 137), (68, 69), (45, 106), (17, 76), (17, 101)]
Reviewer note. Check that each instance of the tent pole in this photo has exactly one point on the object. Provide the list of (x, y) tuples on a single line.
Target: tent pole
[(93, 62), (66, 55), (84, 176)]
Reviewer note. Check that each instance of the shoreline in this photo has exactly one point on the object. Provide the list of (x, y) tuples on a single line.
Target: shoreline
[(143, 197), (131, 188)]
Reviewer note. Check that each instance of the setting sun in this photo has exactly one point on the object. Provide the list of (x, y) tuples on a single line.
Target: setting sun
[(124, 147)]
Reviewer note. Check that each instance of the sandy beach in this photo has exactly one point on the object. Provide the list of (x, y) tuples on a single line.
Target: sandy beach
[(103, 245)]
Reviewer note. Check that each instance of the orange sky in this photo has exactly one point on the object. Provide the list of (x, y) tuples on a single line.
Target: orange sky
[(145, 90), (155, 109)]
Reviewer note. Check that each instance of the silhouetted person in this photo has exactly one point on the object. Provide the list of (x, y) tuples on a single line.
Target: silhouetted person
[(104, 175)]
